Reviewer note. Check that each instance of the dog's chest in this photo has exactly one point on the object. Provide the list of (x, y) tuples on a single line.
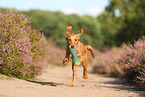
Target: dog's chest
[(80, 51)]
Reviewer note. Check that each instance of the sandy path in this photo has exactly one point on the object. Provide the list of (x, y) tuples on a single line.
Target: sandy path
[(55, 82)]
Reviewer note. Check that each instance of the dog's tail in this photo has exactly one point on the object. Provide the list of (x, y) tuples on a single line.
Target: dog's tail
[(91, 49)]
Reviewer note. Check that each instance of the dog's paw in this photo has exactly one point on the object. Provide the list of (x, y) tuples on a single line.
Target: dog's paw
[(85, 77), (65, 61), (73, 85)]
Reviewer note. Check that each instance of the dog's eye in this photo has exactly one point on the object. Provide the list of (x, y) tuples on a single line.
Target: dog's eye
[(69, 39), (75, 39)]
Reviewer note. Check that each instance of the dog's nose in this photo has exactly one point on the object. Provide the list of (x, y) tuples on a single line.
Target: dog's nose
[(72, 46)]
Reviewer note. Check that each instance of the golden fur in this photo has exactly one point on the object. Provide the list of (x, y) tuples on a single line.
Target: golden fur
[(82, 52)]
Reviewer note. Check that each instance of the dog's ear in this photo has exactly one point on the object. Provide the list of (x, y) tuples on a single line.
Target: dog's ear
[(69, 29), (80, 32)]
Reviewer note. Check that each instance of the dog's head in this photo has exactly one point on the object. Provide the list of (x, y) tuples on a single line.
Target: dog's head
[(72, 38)]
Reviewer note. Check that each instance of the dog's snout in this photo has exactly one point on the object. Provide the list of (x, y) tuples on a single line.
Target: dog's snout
[(72, 46)]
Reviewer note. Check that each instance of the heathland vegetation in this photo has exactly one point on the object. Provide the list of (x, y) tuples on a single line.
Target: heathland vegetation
[(21, 49), (23, 45)]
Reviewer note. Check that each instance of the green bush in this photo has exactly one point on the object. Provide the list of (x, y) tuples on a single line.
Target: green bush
[(54, 25), (22, 49)]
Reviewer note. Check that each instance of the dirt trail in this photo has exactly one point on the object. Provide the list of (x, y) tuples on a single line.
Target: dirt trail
[(55, 82)]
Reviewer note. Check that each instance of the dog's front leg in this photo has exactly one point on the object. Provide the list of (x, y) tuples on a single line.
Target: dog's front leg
[(66, 59), (74, 76)]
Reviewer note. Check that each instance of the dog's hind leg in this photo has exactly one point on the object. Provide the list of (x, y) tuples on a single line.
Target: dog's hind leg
[(74, 76), (85, 63)]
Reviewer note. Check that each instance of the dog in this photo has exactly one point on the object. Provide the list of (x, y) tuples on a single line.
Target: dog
[(82, 52)]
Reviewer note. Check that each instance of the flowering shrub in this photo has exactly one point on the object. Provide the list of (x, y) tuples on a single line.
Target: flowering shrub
[(106, 63), (133, 61), (22, 49)]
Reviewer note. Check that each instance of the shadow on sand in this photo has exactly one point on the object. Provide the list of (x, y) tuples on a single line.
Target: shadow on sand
[(120, 84), (47, 83)]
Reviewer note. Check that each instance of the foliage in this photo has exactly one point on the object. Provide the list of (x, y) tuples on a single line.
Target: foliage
[(133, 61), (108, 28), (22, 49), (106, 63), (123, 21), (54, 24)]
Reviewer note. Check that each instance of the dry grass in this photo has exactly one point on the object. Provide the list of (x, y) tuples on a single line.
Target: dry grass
[(106, 63), (55, 55)]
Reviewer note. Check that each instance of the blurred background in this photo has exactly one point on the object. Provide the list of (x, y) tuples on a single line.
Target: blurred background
[(107, 25), (105, 22)]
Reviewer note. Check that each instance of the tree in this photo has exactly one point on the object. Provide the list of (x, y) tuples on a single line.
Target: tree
[(128, 15)]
